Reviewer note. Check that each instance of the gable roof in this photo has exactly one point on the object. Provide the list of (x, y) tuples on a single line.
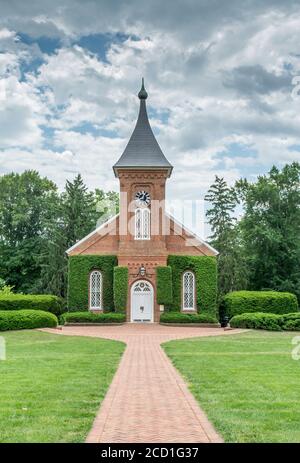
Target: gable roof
[(143, 150), (105, 228)]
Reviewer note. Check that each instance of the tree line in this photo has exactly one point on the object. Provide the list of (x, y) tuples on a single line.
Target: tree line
[(255, 226), (260, 250), (38, 224)]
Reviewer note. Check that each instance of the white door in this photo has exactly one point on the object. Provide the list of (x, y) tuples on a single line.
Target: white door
[(142, 302)]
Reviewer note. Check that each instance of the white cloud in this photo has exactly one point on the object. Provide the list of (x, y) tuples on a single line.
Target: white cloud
[(220, 74), (21, 114), (93, 156), (6, 34)]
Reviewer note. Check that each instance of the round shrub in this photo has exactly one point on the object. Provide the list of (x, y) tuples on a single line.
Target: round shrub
[(26, 319), (179, 317), (45, 302), (239, 302), (90, 317), (258, 321)]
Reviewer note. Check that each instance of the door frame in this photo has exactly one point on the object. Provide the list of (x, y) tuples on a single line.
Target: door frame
[(140, 280)]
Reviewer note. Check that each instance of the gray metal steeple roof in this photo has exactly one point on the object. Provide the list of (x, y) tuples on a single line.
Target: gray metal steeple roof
[(142, 150)]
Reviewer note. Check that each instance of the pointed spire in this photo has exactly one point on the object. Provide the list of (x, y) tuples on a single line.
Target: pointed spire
[(143, 95), (142, 150)]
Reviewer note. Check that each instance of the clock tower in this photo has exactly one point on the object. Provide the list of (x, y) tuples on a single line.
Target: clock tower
[(142, 170)]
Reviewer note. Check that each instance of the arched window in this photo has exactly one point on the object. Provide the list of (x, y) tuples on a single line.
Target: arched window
[(188, 291), (142, 224), (96, 290)]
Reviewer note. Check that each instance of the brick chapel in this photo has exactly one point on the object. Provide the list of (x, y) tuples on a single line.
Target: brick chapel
[(143, 235)]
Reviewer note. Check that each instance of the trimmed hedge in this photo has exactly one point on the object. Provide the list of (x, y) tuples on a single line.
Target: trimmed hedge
[(26, 319), (239, 302), (120, 288), (78, 283), (164, 290), (45, 302), (267, 321), (291, 322), (258, 321), (205, 270), (179, 317), (90, 317)]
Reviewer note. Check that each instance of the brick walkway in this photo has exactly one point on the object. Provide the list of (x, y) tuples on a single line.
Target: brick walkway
[(148, 401)]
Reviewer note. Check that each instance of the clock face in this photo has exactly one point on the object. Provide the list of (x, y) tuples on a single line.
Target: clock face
[(142, 198)]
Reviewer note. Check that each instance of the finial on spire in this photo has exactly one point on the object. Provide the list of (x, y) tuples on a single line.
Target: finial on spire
[(143, 95)]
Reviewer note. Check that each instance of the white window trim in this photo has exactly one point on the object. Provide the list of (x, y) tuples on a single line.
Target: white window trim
[(183, 292), (90, 291), (139, 235)]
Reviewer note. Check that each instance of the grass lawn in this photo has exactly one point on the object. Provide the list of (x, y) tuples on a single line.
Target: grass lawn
[(51, 385), (248, 384)]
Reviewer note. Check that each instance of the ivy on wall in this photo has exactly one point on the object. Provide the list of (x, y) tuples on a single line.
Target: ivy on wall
[(78, 283), (205, 270), (164, 291), (120, 288)]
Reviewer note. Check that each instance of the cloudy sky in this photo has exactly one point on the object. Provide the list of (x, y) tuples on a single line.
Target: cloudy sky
[(219, 75)]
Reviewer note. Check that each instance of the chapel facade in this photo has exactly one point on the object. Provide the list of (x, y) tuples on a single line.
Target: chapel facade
[(141, 239)]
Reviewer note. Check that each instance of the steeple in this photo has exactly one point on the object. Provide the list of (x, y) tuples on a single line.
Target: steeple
[(142, 150)]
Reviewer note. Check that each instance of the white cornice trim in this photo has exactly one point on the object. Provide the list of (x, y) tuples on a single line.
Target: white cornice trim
[(192, 233), (97, 230)]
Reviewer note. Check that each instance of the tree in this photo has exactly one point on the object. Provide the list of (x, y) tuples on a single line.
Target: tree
[(76, 215), (232, 270), (107, 205), (271, 228), (26, 204), (79, 210), (38, 225)]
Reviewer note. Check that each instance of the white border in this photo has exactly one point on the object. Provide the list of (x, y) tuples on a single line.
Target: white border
[(100, 308), (186, 309), (143, 212)]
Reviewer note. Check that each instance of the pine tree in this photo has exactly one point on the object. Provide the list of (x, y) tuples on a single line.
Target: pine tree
[(79, 207), (220, 216), (232, 273)]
